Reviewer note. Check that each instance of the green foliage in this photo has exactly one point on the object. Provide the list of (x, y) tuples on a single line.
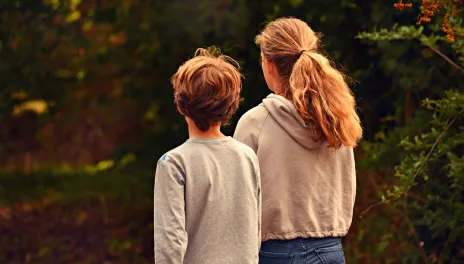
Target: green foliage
[(35, 47), (60, 57), (432, 146), (436, 161), (428, 185), (74, 217), (131, 187), (396, 33)]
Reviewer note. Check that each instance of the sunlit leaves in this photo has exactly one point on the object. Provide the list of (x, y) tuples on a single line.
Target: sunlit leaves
[(37, 106), (396, 33), (451, 105), (127, 159), (55, 4), (73, 16), (99, 167), (87, 25), (19, 95), (348, 3)]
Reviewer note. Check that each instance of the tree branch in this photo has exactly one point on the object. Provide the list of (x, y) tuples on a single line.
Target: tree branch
[(442, 134), (405, 193), (414, 233), (445, 57)]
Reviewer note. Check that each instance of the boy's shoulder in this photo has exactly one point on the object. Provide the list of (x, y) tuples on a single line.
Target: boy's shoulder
[(186, 151), (172, 155), (245, 149), (242, 147)]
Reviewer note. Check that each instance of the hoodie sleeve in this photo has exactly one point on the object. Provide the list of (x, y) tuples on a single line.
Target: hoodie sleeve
[(249, 126), (170, 236)]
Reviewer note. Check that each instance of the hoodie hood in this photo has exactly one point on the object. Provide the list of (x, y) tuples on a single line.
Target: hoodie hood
[(285, 114)]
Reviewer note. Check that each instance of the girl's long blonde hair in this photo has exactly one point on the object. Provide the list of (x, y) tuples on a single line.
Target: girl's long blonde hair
[(318, 91)]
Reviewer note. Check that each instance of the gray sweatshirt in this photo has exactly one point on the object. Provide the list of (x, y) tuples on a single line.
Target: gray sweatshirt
[(308, 189), (207, 203)]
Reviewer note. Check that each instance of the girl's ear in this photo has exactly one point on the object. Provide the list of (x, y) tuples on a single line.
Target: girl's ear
[(269, 67)]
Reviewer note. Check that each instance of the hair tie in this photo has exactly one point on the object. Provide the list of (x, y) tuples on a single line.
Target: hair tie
[(301, 52)]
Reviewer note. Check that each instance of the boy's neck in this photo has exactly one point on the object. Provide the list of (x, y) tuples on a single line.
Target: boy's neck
[(214, 131)]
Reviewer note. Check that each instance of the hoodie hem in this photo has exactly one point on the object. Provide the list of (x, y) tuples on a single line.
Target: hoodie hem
[(304, 234)]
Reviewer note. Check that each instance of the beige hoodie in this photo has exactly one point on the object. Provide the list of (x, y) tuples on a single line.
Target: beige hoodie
[(308, 190)]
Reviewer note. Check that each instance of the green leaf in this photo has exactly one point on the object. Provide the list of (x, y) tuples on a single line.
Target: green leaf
[(73, 16), (348, 3), (104, 165), (80, 75), (128, 158), (63, 73), (382, 245), (43, 252), (296, 3)]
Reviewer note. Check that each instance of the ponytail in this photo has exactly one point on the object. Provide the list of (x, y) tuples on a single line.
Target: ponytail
[(324, 101)]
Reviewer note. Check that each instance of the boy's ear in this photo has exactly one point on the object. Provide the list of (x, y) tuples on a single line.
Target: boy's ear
[(180, 111)]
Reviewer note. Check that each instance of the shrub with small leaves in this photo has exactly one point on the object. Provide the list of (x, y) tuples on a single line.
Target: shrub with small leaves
[(428, 186)]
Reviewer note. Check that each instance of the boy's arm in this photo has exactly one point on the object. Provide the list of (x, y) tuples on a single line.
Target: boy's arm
[(170, 236)]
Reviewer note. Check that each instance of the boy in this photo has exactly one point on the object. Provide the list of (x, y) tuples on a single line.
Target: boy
[(207, 191)]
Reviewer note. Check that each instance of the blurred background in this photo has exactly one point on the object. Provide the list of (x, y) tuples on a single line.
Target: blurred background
[(86, 110)]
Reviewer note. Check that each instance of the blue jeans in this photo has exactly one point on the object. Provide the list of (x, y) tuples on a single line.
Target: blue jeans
[(302, 251)]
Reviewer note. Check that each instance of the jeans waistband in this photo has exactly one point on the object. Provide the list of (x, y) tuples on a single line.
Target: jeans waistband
[(301, 243)]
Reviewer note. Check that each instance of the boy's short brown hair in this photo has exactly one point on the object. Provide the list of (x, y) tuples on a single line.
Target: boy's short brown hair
[(207, 87)]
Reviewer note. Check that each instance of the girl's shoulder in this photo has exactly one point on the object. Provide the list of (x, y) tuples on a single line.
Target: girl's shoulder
[(256, 114)]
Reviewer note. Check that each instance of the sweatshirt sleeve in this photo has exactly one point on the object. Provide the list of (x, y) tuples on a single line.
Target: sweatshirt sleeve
[(259, 207), (170, 236), (249, 127)]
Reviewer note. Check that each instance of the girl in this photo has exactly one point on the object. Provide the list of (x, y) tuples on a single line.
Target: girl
[(303, 135)]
